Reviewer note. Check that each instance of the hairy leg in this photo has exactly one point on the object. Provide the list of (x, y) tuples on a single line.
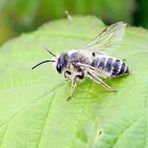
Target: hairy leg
[(73, 85), (100, 81)]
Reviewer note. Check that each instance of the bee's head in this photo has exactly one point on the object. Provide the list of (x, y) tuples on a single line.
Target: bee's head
[(62, 62)]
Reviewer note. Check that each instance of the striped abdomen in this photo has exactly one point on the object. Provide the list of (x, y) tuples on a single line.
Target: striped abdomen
[(111, 65)]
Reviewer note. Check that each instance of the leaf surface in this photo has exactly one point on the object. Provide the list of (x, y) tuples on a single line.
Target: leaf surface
[(33, 110)]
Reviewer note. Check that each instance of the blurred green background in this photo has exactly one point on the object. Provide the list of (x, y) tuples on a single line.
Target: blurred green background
[(18, 16)]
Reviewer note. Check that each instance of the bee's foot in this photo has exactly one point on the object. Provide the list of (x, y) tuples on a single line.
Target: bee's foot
[(67, 79)]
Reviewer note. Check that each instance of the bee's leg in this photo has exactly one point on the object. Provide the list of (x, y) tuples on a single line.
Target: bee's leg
[(73, 83), (100, 81), (66, 76)]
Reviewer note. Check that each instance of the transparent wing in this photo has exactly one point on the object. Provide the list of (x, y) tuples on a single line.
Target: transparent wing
[(110, 37)]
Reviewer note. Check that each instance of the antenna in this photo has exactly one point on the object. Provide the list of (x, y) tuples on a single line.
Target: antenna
[(42, 63), (50, 52)]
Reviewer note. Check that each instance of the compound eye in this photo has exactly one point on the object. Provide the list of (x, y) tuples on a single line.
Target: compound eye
[(59, 68)]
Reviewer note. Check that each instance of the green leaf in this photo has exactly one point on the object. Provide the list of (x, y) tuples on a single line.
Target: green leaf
[(33, 110)]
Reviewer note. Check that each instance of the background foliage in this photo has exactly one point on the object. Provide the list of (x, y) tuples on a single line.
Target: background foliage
[(18, 16)]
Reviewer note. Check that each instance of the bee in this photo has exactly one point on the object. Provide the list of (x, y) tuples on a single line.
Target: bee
[(89, 61)]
